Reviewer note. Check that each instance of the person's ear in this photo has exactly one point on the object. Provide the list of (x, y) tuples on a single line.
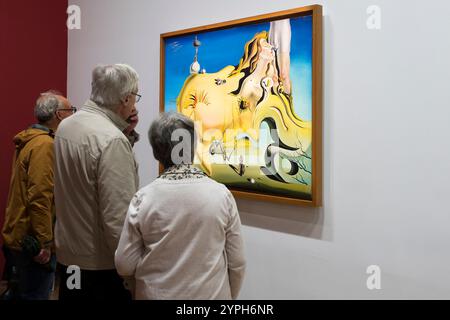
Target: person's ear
[(125, 100), (58, 117)]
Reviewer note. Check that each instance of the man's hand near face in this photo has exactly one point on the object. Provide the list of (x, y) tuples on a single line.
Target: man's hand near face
[(132, 135), (133, 121)]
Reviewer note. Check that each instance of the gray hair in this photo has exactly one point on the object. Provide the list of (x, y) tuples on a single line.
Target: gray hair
[(46, 106), (163, 139), (112, 83)]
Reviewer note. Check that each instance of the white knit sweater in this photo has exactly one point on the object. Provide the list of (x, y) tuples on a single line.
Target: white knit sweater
[(182, 240)]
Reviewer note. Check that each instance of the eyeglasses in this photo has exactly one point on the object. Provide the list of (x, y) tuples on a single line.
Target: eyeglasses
[(138, 96), (73, 109)]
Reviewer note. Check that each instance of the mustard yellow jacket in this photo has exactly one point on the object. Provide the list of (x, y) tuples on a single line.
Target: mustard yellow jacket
[(30, 206)]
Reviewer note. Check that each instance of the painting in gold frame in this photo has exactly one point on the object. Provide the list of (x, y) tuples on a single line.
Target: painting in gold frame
[(253, 87)]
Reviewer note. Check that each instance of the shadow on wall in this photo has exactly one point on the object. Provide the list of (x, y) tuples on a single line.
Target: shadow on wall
[(300, 221)]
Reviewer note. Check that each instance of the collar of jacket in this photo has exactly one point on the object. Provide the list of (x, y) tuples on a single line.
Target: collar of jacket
[(91, 106), (39, 126), (182, 171)]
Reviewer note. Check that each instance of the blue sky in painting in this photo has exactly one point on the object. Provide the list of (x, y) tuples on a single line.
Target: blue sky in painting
[(225, 47)]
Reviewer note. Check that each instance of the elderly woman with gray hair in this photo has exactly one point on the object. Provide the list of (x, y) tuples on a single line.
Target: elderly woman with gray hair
[(182, 237)]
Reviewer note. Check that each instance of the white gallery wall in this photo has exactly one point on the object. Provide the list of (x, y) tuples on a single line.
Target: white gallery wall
[(386, 142)]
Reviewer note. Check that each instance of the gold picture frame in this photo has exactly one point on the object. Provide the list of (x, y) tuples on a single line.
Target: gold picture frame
[(313, 14)]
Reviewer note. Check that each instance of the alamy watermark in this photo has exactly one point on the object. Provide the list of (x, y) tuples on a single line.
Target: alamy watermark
[(74, 280), (373, 282), (374, 18), (74, 17), (262, 147)]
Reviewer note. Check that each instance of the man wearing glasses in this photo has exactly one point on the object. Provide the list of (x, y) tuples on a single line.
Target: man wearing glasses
[(133, 119), (28, 228), (95, 180)]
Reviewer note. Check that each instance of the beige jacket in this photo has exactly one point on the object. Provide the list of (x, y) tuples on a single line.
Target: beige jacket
[(182, 240), (95, 179)]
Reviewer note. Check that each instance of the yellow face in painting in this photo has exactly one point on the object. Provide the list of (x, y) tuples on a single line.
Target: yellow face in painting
[(212, 116), (202, 100)]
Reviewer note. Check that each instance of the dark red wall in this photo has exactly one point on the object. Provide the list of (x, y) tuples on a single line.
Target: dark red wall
[(33, 58)]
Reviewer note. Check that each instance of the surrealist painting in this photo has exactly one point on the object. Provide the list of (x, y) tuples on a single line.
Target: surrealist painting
[(253, 88)]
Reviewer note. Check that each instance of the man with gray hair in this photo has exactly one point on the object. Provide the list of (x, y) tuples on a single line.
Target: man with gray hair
[(28, 228), (95, 179)]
